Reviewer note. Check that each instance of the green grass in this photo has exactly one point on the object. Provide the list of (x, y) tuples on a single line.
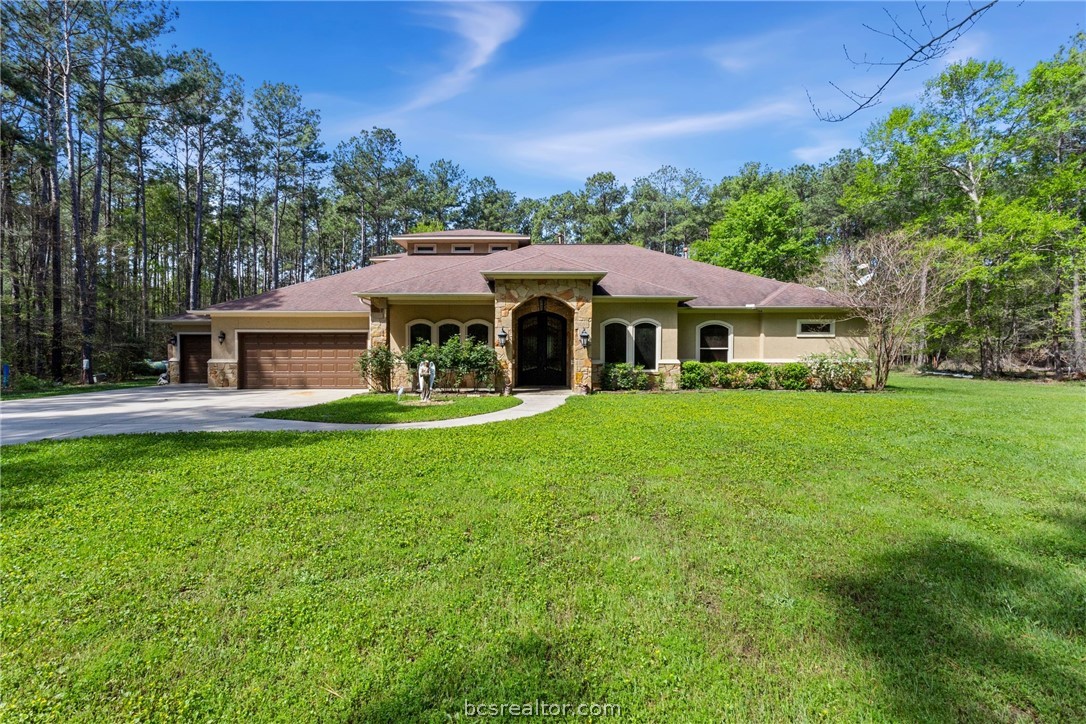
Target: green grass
[(918, 555), (377, 408), (66, 389)]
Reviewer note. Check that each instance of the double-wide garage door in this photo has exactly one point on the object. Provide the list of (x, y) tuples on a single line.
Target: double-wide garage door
[(312, 359)]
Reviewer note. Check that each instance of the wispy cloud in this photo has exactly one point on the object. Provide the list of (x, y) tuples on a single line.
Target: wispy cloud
[(823, 149), (739, 55), (484, 28), (622, 147)]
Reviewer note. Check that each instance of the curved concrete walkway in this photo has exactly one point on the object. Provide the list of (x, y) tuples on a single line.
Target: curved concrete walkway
[(195, 408)]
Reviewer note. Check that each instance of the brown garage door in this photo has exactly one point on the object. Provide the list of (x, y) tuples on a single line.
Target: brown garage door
[(194, 354), (283, 359)]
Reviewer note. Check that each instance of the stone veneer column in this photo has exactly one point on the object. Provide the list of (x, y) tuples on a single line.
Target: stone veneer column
[(173, 364), (222, 375), (575, 294)]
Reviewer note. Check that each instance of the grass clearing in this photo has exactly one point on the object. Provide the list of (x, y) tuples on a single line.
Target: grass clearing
[(917, 555), (385, 408), (66, 389)]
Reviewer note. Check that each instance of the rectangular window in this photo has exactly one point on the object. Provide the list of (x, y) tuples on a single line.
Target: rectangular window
[(815, 328), (425, 249), (499, 247), (463, 249)]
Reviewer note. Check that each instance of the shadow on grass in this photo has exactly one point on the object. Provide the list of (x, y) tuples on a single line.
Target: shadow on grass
[(520, 669), (957, 634)]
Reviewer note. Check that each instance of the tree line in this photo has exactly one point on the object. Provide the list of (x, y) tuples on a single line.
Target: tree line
[(137, 183)]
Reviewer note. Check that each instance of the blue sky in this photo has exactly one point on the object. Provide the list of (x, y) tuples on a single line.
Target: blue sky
[(541, 95)]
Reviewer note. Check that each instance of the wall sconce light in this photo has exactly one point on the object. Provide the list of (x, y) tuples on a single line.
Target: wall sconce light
[(584, 338), (222, 336), (502, 337)]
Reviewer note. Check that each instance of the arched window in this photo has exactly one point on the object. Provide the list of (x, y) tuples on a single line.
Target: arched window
[(419, 332), (714, 342), (447, 331), (479, 332), (644, 345), (614, 342)]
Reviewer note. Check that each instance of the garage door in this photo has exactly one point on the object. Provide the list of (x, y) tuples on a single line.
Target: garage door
[(282, 359), (193, 357)]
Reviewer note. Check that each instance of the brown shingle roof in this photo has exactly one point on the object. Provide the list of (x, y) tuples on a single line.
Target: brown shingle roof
[(630, 272), (328, 294)]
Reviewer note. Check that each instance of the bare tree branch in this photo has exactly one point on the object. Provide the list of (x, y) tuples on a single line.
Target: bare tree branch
[(921, 51)]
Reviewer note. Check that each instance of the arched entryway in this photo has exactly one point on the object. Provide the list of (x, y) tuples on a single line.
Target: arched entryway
[(542, 353)]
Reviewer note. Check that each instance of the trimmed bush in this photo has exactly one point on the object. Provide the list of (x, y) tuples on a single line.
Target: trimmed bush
[(624, 376), (759, 375), (744, 376), (840, 371), (792, 376), (695, 376)]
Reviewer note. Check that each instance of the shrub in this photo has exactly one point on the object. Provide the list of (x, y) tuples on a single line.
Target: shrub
[(792, 376), (729, 375), (482, 362), (375, 366), (624, 376), (840, 371), (759, 375), (29, 383), (695, 376)]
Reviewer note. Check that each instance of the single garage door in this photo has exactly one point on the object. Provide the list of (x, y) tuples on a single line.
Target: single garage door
[(193, 356), (286, 359)]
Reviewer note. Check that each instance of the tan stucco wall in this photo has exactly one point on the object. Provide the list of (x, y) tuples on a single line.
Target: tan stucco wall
[(401, 315), (665, 313), (231, 325), (744, 333), (779, 344)]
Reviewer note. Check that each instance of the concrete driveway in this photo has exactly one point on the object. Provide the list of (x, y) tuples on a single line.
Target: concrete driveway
[(170, 408), (195, 408)]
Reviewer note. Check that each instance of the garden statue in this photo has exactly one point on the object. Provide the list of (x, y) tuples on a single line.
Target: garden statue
[(427, 375)]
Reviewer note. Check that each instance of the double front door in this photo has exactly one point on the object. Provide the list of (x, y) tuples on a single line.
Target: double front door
[(541, 350)]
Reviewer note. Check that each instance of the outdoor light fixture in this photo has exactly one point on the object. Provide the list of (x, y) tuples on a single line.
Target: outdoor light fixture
[(172, 340), (502, 336), (584, 338), (222, 336)]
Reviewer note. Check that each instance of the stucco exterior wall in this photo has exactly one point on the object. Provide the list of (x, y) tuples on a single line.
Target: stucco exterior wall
[(401, 315), (770, 336), (782, 344), (231, 325), (745, 333)]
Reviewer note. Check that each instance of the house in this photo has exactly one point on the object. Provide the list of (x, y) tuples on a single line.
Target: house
[(554, 313)]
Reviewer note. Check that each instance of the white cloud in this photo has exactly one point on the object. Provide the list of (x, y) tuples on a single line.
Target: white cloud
[(737, 56), (621, 147), (484, 28), (823, 150)]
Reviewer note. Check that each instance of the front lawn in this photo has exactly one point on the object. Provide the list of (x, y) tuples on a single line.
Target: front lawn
[(377, 408), (918, 555), (66, 389)]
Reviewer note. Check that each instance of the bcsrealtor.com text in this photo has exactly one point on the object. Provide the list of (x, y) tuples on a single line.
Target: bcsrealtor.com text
[(541, 708)]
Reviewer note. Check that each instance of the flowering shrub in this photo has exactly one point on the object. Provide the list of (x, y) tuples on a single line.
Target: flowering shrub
[(840, 371)]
